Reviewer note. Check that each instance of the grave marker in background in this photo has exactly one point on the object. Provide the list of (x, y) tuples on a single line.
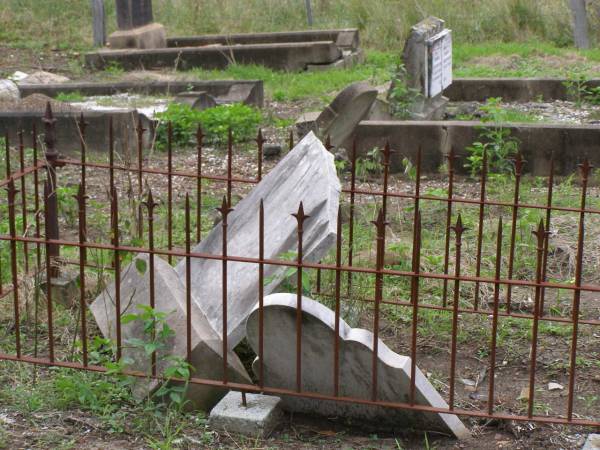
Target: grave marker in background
[(136, 26)]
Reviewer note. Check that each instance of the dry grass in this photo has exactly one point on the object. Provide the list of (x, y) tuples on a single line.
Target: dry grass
[(383, 23)]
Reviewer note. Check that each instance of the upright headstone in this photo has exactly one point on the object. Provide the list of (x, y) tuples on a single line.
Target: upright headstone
[(99, 23), (136, 26), (134, 13), (427, 60)]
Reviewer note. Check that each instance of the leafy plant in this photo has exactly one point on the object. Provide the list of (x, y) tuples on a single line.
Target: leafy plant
[(496, 141), (70, 96), (371, 165), (243, 121), (401, 96), (578, 89)]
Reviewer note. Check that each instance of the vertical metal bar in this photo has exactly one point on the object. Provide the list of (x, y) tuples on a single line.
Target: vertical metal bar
[(513, 230), (540, 234), (170, 189), (199, 138), (380, 224), (451, 157), (51, 207), (7, 153), (36, 194), (351, 218), (259, 145), (338, 287), (117, 265), (300, 217), (386, 173), (111, 154), (12, 193), (150, 204), (188, 281), (480, 227), (140, 173), (414, 298), (585, 172), (495, 319), (291, 139), (261, 294), (82, 124), (49, 272), (81, 198), (548, 225), (458, 229), (229, 165), (224, 210), (23, 200)]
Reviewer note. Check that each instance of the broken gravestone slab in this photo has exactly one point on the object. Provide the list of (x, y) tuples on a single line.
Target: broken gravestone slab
[(355, 365), (339, 119), (207, 360), (306, 174)]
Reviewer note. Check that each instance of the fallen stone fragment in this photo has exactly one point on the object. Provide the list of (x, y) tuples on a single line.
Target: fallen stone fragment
[(207, 360), (592, 442), (355, 362), (306, 174), (258, 418), (42, 77), (555, 387), (9, 91)]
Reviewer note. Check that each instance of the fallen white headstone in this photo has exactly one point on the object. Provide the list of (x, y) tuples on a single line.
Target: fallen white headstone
[(355, 366), (306, 174)]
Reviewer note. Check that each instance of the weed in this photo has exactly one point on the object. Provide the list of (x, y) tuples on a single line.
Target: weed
[(401, 96), (497, 142), (216, 122), (70, 96)]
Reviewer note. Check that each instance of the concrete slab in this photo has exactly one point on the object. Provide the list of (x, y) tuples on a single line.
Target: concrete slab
[(355, 369), (258, 418), (67, 130), (570, 145), (283, 56), (510, 89), (250, 92), (345, 38)]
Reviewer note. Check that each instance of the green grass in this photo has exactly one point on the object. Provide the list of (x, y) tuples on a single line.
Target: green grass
[(289, 87)]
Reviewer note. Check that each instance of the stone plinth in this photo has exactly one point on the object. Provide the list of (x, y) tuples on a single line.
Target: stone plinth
[(258, 418), (146, 37)]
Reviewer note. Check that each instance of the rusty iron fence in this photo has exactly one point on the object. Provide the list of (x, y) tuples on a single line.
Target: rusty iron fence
[(36, 229)]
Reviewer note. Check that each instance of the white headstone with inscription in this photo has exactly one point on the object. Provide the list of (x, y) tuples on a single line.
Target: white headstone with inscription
[(439, 64)]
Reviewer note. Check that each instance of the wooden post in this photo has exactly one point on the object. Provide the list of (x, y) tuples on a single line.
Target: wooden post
[(309, 16), (580, 24), (99, 18)]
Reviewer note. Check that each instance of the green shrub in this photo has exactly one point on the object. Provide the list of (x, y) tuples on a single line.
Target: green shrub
[(216, 122)]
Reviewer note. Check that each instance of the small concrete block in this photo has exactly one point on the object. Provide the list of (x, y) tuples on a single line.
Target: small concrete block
[(306, 123), (592, 442), (258, 418), (65, 290), (147, 37), (348, 39)]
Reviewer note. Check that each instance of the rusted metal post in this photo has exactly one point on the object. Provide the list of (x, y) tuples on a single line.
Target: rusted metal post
[(188, 281), (380, 224), (261, 294), (260, 141), (150, 204), (482, 194), (301, 217), (81, 198), (451, 157), (458, 229), (414, 298), (199, 138), (494, 334), (51, 154), (224, 210), (23, 199), (12, 194), (513, 229), (140, 173), (338, 287)]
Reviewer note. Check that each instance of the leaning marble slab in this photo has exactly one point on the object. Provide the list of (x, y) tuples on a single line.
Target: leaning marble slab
[(306, 174), (170, 299), (355, 369)]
